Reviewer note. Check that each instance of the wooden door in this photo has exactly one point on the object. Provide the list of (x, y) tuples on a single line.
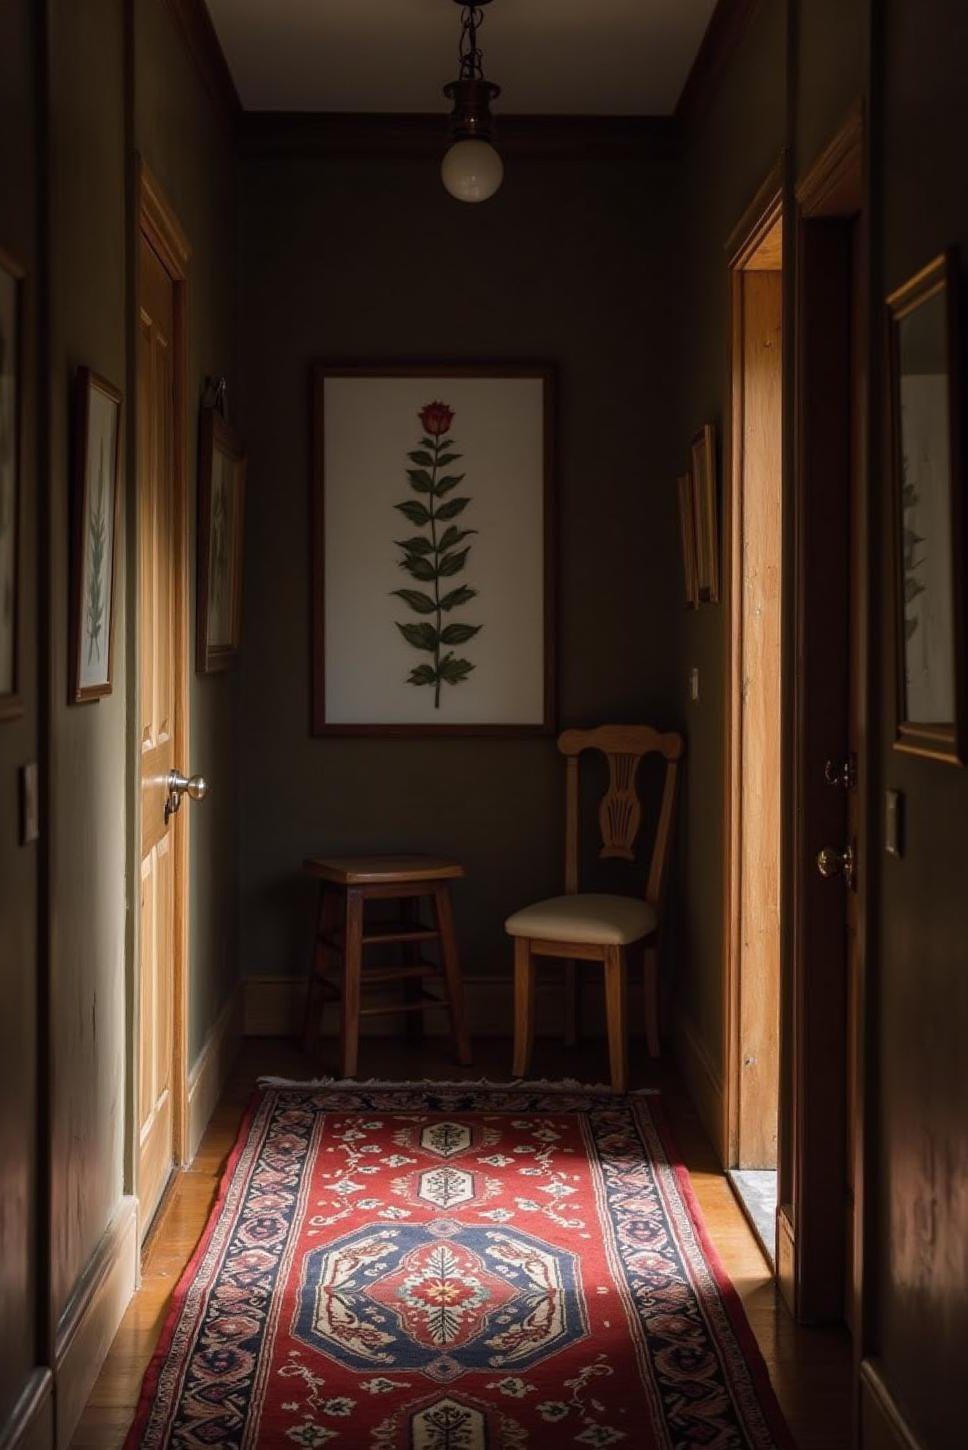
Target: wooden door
[(162, 575), (817, 1207)]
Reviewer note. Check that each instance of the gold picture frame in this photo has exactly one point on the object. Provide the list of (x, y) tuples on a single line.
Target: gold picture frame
[(96, 534)]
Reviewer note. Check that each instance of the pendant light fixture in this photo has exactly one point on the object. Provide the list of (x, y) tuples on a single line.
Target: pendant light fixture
[(471, 169)]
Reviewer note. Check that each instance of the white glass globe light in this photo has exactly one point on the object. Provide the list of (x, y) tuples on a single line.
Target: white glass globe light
[(472, 170)]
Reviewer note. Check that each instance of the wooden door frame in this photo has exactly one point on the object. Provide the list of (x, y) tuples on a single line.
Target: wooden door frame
[(158, 225), (834, 189), (760, 217)]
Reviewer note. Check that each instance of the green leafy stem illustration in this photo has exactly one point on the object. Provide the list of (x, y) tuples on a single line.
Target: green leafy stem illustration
[(436, 556), (95, 592), (910, 498)]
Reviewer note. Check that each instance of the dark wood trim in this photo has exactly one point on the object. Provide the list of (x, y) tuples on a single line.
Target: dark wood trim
[(759, 218), (22, 1428), (213, 430), (882, 1425), (830, 187), (518, 369), (160, 226), (363, 136), (85, 383), (830, 384), (194, 25), (723, 33), (12, 704)]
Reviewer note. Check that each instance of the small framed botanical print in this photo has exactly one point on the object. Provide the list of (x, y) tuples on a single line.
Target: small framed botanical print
[(11, 286), (97, 451), (221, 500), (707, 524)]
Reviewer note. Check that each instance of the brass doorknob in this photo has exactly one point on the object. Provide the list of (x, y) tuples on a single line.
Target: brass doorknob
[(833, 862)]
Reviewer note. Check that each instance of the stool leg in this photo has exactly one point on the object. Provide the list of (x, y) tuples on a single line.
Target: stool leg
[(326, 916), (444, 914), (412, 986), (352, 969), (615, 1017), (650, 983), (523, 1005)]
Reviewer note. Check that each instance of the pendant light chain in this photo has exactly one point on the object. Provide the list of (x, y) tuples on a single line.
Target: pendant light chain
[(471, 55)]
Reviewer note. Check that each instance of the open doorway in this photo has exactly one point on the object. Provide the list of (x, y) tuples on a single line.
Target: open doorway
[(754, 717)]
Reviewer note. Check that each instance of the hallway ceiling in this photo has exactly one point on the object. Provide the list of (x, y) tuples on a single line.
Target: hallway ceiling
[(555, 57)]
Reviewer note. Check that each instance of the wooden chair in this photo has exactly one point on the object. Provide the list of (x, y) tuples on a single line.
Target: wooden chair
[(595, 927), (346, 884)]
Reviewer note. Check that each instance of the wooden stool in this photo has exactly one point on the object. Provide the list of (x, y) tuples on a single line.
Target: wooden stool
[(346, 883)]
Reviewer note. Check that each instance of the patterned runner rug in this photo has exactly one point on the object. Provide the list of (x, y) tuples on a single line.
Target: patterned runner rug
[(456, 1267)]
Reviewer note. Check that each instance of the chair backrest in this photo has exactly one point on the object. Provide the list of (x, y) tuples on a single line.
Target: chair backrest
[(620, 811)]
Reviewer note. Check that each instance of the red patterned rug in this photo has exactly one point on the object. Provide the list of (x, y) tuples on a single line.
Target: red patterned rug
[(456, 1267)]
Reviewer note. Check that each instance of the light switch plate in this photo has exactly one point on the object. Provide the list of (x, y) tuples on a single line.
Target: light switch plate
[(694, 684), (892, 822), (29, 804)]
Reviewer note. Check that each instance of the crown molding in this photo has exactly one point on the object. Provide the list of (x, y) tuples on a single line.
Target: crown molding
[(726, 28), (194, 25), (352, 135)]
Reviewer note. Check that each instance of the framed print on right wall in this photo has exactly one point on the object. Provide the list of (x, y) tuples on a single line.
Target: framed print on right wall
[(11, 285), (927, 460)]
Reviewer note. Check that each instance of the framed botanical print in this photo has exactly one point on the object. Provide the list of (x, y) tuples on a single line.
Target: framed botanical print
[(11, 383), (707, 523), (221, 507), (433, 550), (927, 408), (97, 453)]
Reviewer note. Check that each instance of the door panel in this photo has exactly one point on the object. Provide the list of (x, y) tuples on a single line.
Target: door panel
[(161, 576)]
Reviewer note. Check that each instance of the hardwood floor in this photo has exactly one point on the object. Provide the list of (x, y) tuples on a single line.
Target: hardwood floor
[(810, 1368)]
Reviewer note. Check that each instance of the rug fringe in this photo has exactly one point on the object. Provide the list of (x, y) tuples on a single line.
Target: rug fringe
[(547, 1085)]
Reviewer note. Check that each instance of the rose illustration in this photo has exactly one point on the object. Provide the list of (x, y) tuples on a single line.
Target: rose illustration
[(434, 557), (436, 418)]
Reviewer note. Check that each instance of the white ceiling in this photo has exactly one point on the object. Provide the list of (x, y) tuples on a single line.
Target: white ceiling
[(582, 57)]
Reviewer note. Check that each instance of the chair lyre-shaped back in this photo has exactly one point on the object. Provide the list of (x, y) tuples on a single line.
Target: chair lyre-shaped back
[(620, 811)]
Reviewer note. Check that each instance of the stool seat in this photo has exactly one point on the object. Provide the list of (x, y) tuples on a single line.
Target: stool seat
[(345, 884), (380, 870)]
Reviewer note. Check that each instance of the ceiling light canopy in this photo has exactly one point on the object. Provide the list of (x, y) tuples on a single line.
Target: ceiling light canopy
[(471, 169)]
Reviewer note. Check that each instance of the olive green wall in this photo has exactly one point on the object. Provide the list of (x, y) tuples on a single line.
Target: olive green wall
[(573, 261), (920, 1267), (179, 131), (88, 803), (190, 147), (20, 741), (917, 1323)]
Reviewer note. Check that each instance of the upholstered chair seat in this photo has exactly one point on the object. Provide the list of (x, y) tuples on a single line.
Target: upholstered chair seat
[(586, 918)]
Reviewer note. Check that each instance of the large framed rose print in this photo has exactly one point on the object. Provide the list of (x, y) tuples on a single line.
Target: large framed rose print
[(433, 550)]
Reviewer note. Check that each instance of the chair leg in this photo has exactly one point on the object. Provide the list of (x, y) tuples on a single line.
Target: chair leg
[(412, 986), (352, 970), (615, 1017), (326, 917), (450, 962), (650, 983), (524, 973), (572, 1014)]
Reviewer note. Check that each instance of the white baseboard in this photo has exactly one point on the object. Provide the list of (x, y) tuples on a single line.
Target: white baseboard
[(31, 1423), (212, 1067), (882, 1426), (274, 1007), (90, 1321), (703, 1082)]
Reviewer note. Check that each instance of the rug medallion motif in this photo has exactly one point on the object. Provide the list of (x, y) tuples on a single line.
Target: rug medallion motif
[(455, 1268)]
